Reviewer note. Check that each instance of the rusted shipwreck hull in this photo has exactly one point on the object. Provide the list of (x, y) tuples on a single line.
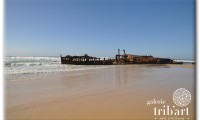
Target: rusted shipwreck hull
[(85, 60), (119, 60)]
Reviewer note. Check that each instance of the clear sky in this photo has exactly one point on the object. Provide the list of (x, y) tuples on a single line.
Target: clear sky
[(162, 28)]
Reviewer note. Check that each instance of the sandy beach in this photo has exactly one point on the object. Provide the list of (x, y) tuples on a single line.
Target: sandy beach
[(115, 92)]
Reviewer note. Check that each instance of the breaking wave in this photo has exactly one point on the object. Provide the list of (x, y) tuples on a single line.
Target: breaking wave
[(29, 65), (186, 61)]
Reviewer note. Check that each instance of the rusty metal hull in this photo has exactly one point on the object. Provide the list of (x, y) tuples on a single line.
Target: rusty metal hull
[(99, 62), (119, 60), (112, 62)]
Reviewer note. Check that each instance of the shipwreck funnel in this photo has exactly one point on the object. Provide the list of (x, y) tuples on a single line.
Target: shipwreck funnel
[(118, 51)]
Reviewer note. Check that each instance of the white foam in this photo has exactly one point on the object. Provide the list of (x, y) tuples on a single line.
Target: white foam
[(185, 61), (31, 65)]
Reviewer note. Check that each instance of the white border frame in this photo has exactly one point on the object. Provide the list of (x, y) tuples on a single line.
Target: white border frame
[(197, 57), (2, 33), (1, 59)]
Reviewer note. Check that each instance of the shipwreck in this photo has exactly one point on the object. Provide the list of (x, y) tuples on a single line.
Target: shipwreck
[(119, 60)]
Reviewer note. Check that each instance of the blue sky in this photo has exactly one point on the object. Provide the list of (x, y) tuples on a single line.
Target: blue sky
[(162, 28)]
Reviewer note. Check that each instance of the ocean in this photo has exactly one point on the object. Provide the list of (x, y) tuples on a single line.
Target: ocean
[(33, 65)]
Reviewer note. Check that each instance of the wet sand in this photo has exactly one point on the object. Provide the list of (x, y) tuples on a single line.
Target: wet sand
[(116, 92)]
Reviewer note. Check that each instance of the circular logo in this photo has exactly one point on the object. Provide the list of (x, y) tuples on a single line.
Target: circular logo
[(181, 97)]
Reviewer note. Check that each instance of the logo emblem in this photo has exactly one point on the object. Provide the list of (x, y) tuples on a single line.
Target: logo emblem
[(181, 97)]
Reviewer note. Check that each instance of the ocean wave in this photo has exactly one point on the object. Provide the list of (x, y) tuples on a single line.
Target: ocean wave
[(185, 61), (33, 58), (50, 69), (22, 64), (31, 65)]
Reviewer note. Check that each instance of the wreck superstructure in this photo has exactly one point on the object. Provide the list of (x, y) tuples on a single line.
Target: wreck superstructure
[(85, 60), (119, 60)]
